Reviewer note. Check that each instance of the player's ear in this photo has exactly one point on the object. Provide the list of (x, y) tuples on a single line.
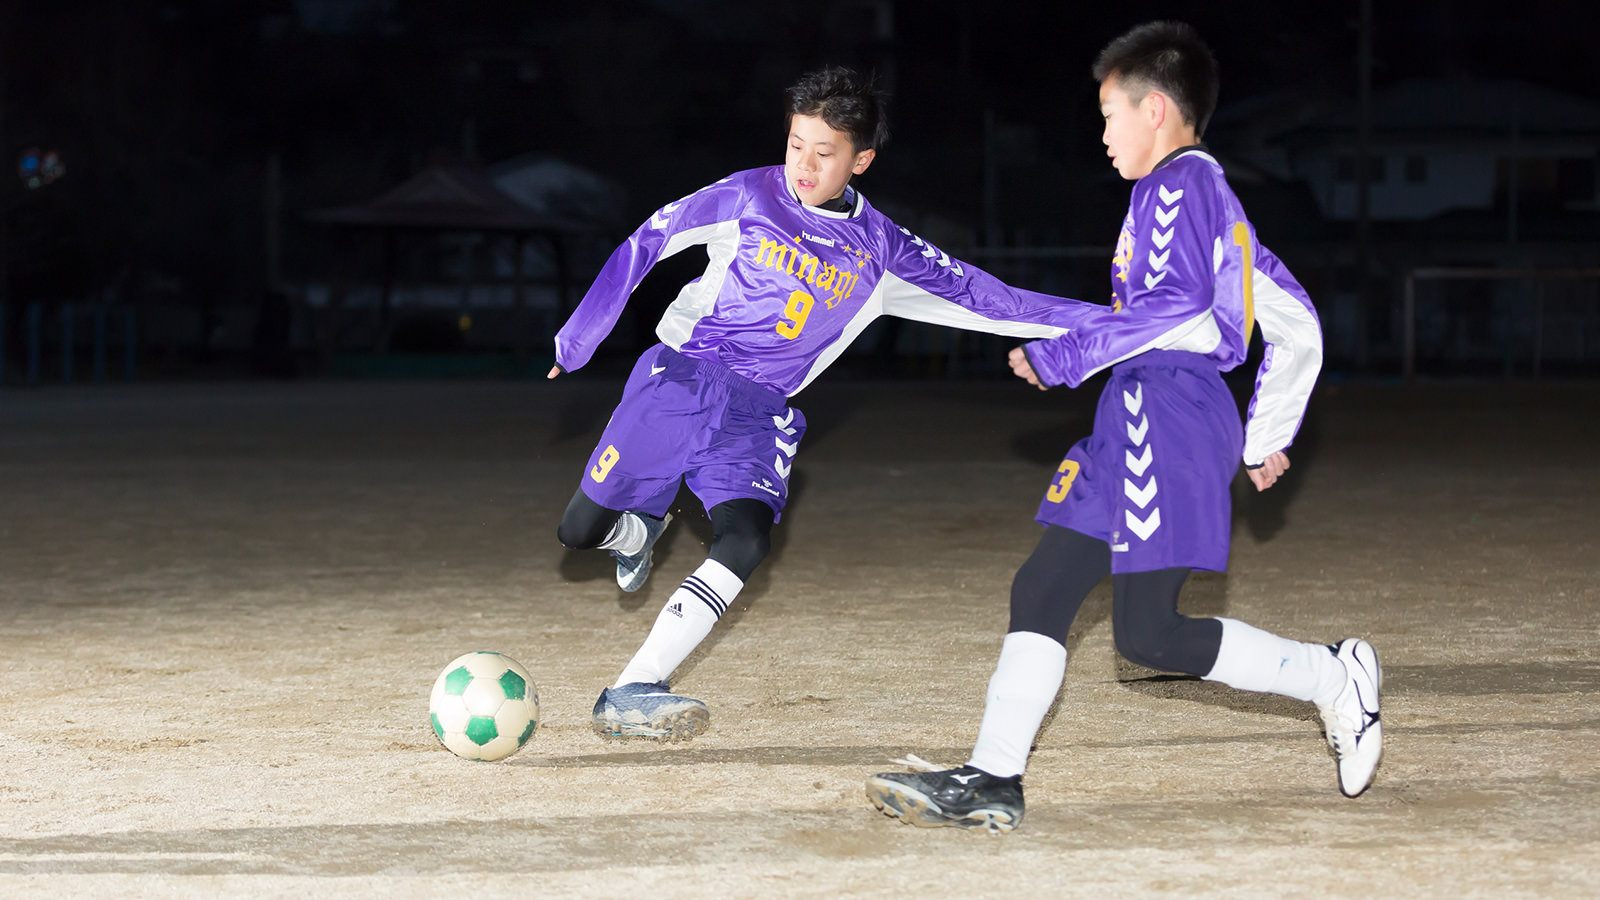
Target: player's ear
[(863, 159), (1155, 108)]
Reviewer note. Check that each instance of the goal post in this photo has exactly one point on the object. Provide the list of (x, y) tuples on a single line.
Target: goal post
[(1538, 279)]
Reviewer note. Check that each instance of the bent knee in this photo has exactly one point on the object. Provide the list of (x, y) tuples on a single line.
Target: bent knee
[(1151, 647), (581, 535), (1181, 646), (741, 551)]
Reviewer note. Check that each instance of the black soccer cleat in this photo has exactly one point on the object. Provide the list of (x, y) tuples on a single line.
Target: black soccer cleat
[(964, 797)]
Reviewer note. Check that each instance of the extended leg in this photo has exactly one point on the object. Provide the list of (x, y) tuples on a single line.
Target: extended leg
[(987, 792), (639, 703), (1046, 594), (1343, 681)]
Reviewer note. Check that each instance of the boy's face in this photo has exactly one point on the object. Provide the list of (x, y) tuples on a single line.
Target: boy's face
[(1131, 125), (820, 160)]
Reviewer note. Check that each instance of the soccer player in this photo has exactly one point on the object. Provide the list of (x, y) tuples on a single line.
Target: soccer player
[(800, 263), (1145, 498)]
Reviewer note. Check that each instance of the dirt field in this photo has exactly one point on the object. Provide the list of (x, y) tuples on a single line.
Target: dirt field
[(222, 607)]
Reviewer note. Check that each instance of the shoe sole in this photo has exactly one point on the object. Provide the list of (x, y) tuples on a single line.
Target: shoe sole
[(676, 727), (1375, 730), (899, 801)]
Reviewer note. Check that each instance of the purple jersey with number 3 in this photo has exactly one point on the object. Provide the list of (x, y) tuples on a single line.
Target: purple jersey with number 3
[(1190, 282)]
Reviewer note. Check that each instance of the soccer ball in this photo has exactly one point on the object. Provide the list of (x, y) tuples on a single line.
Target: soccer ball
[(484, 706)]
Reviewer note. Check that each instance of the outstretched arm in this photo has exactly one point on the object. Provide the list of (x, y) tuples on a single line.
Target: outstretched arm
[(1023, 368), (684, 223), (925, 284)]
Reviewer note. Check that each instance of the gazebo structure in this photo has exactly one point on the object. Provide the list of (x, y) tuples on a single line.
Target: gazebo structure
[(447, 199)]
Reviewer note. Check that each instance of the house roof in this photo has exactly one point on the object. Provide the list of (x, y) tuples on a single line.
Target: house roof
[(447, 198), (1433, 109)]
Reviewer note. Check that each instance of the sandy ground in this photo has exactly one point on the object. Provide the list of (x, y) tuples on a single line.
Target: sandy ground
[(222, 607)]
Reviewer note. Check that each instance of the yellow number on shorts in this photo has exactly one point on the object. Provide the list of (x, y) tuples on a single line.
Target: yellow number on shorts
[(1063, 483), (602, 467), (796, 312)]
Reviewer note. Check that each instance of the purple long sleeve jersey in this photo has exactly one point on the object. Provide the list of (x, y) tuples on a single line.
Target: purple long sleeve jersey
[(1189, 274), (789, 286)]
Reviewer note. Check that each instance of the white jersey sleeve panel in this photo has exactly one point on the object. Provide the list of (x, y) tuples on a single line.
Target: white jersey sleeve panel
[(1288, 373), (698, 298)]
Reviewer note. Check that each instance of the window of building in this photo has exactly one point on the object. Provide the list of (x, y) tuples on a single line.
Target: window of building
[(1344, 169)]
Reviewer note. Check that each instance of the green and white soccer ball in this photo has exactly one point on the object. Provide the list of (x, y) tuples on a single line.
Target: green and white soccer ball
[(484, 706)]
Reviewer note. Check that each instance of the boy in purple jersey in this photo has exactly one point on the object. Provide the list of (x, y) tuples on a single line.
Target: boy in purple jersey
[(800, 263), (1145, 498)]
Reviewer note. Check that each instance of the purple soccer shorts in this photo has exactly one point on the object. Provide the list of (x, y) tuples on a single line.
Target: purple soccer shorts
[(1153, 479), (699, 422)]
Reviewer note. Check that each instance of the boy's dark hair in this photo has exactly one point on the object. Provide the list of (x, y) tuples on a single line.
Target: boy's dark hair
[(1168, 57), (847, 101)]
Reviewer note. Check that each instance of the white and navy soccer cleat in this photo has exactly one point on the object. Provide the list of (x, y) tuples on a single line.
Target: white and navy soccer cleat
[(963, 798), (632, 570), (649, 710), (1354, 729)]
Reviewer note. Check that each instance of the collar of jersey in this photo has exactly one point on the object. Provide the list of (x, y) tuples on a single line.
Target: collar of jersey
[(816, 210), (1201, 149)]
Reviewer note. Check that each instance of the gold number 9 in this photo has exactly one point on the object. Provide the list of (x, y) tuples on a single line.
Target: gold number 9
[(796, 312)]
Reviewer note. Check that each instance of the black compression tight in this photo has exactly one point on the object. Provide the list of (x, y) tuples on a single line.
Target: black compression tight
[(1049, 589), (741, 535), (585, 523), (741, 530)]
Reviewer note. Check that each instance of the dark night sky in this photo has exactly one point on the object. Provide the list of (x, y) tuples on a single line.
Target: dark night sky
[(164, 111)]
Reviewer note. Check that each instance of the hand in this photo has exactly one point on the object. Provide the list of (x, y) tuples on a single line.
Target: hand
[(1023, 369), (1267, 473), (554, 371)]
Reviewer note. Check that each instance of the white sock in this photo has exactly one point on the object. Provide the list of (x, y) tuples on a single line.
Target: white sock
[(1254, 660), (1023, 686), (627, 536), (683, 623)]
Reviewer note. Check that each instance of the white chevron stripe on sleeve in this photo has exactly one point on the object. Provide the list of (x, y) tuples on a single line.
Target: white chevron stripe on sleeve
[(1137, 434), (1135, 401), (1137, 464)]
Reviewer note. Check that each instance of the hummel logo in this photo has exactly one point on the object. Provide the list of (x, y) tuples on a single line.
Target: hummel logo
[(826, 242), (657, 370), (964, 779)]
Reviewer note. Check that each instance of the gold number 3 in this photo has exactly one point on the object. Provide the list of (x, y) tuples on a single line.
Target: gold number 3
[(1067, 471), (796, 312)]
